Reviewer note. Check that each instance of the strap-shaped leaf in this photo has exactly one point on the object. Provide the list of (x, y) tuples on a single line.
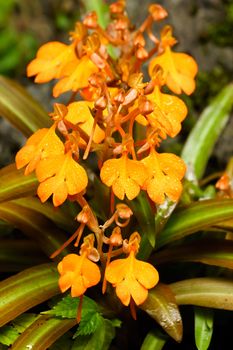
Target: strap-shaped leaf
[(204, 291), (14, 184), (203, 320), (218, 252), (20, 108), (201, 140), (154, 340), (34, 225), (26, 289), (42, 333), (195, 217), (18, 254), (161, 305)]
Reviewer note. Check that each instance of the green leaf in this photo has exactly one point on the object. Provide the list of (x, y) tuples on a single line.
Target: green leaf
[(23, 321), (154, 340), (63, 343), (203, 327), (18, 254), (8, 334), (195, 217), (89, 323), (20, 108), (14, 184), (161, 305), (26, 289), (143, 212), (218, 252), (204, 291), (99, 340), (34, 225), (67, 307), (201, 140), (42, 333), (61, 217)]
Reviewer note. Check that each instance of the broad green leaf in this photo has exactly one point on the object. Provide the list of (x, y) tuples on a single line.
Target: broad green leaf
[(18, 254), (42, 333), (27, 289), (8, 334), (203, 327), (20, 108), (99, 340), (201, 140), (161, 305), (34, 225), (195, 217), (218, 252), (14, 184), (154, 340), (204, 291)]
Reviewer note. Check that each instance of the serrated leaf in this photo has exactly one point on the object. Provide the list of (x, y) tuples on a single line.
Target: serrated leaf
[(99, 340), (203, 327), (161, 305), (195, 217), (204, 291), (154, 340), (218, 252), (20, 108), (201, 140), (89, 323), (14, 184), (8, 335), (67, 307)]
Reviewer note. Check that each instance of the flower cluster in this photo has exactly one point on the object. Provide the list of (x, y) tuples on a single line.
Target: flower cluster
[(115, 114)]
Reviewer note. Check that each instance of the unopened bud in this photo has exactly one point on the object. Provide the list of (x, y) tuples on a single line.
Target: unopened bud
[(84, 215), (157, 12), (101, 103), (116, 237), (141, 53), (145, 106), (90, 20)]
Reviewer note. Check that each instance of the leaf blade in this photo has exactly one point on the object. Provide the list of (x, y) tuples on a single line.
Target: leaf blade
[(195, 217), (205, 133), (20, 108)]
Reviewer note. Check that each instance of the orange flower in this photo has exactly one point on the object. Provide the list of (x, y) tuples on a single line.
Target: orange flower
[(165, 172), (79, 113), (126, 176), (42, 144), (76, 75), (51, 58), (131, 277), (169, 111), (78, 272), (179, 68), (61, 176)]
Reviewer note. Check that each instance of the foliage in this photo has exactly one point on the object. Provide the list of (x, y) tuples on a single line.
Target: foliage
[(150, 232)]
